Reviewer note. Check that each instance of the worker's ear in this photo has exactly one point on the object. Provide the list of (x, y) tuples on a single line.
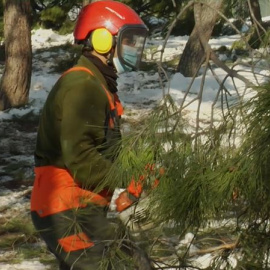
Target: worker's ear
[(102, 40)]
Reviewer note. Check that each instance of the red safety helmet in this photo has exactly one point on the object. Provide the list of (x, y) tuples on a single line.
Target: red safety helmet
[(109, 23)]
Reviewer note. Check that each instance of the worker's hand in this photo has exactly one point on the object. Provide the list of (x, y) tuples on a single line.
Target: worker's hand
[(150, 179), (124, 200), (135, 188)]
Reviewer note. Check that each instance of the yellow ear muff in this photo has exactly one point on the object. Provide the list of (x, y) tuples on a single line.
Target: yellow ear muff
[(102, 40)]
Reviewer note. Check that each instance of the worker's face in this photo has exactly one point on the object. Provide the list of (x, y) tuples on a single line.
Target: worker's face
[(129, 48)]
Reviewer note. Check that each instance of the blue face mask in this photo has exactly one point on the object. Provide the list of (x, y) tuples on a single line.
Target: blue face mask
[(129, 54), (121, 68)]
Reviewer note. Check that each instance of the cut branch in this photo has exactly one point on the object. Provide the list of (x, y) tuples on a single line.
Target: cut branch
[(229, 246)]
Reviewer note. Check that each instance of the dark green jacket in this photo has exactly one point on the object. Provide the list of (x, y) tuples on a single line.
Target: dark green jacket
[(73, 131)]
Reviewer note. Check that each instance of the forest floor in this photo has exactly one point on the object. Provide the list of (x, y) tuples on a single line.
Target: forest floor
[(18, 239)]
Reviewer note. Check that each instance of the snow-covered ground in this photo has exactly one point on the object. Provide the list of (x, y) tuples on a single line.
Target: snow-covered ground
[(139, 92)]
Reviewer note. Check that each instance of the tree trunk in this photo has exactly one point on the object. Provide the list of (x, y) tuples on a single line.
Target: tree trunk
[(16, 79), (194, 54), (256, 34), (255, 11)]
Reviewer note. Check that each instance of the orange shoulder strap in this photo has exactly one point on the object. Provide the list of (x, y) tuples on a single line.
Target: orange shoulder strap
[(112, 106), (118, 104), (78, 69)]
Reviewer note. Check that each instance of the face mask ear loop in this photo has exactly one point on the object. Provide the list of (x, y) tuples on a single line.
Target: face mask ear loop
[(112, 52), (110, 59)]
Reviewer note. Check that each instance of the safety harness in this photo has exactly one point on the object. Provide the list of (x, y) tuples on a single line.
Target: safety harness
[(116, 107)]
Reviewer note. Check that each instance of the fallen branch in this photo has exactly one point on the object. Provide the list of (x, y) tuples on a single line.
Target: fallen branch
[(228, 246)]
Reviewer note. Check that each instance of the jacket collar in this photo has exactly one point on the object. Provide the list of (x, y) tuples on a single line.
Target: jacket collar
[(84, 62)]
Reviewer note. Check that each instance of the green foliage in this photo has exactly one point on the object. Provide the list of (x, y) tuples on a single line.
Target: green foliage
[(257, 38), (254, 164), (144, 146), (188, 188), (239, 45), (266, 39), (236, 9), (18, 225), (254, 38), (65, 56), (213, 182), (73, 52), (17, 231), (53, 17), (205, 179), (191, 193), (67, 27), (243, 172), (27, 252), (18, 235), (116, 259)]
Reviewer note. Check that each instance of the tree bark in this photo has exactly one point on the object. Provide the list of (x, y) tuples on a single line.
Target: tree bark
[(255, 11), (255, 39), (194, 54), (16, 79)]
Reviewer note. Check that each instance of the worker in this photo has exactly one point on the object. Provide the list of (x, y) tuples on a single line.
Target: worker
[(79, 138)]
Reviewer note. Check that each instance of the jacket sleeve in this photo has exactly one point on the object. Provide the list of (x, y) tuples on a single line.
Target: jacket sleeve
[(82, 133)]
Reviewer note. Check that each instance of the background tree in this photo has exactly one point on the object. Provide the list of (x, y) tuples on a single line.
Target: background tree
[(255, 11), (194, 54), (258, 29), (15, 83)]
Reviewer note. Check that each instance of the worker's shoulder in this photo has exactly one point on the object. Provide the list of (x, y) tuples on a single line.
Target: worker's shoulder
[(79, 85), (82, 77), (78, 74), (77, 78)]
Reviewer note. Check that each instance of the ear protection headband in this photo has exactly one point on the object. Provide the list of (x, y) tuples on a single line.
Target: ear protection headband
[(102, 40)]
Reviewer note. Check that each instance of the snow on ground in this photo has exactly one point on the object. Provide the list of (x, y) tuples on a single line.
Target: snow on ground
[(136, 90), (25, 265)]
